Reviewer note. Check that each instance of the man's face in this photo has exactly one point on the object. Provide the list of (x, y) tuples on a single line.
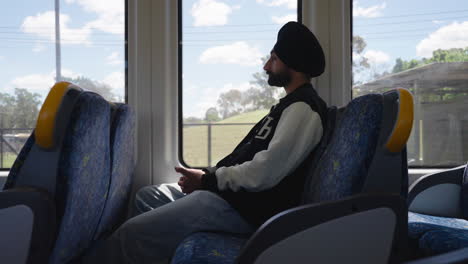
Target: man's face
[(278, 73)]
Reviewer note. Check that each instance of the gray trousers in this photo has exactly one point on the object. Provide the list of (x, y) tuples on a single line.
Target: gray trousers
[(164, 216)]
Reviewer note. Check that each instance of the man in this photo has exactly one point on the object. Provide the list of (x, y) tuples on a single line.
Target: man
[(263, 176)]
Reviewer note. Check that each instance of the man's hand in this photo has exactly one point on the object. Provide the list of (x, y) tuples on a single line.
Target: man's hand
[(190, 180)]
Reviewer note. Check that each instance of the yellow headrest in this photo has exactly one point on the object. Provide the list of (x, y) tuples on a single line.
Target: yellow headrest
[(44, 133), (402, 129)]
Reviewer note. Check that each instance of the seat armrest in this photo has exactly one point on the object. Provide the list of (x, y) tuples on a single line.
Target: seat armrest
[(363, 228), (16, 225), (28, 208), (437, 194)]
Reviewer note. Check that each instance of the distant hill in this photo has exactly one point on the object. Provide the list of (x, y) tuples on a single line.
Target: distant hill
[(250, 117)]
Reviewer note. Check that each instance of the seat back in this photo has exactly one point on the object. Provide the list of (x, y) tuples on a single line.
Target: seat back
[(367, 155), (36, 164), (464, 193), (370, 134), (68, 155), (342, 168), (122, 165), (314, 157)]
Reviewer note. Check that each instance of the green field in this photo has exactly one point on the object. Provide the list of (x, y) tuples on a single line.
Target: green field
[(223, 138), (8, 159)]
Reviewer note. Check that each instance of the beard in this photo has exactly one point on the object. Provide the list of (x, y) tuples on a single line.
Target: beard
[(280, 79)]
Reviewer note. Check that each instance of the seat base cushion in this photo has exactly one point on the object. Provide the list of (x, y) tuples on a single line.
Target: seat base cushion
[(435, 234), (204, 247)]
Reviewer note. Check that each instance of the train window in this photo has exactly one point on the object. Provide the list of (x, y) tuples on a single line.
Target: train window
[(421, 46), (89, 51), (224, 46)]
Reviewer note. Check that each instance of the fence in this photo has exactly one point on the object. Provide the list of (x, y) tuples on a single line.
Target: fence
[(11, 142), (13, 139), (209, 134)]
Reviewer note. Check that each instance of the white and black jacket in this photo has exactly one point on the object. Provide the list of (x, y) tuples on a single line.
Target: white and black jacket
[(265, 174)]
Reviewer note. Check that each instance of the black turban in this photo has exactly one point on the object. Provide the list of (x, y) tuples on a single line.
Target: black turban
[(299, 49)]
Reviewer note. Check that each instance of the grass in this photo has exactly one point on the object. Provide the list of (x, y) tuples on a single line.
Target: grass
[(223, 138), (8, 159)]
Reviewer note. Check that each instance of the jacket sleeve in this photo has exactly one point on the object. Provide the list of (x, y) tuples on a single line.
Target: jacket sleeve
[(298, 131)]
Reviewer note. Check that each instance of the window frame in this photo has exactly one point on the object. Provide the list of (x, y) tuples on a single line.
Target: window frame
[(180, 120)]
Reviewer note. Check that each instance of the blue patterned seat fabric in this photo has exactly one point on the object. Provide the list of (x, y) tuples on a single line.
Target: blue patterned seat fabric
[(83, 177), (122, 142), (342, 169), (435, 234), (419, 224), (341, 172)]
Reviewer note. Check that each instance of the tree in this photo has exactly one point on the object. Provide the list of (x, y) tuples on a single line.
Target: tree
[(212, 115), (100, 88), (267, 94), (26, 108), (252, 99), (440, 55), (7, 108), (20, 110), (230, 103), (360, 63)]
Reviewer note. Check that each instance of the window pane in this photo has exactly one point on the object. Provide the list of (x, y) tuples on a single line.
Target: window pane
[(421, 46), (92, 52), (224, 46)]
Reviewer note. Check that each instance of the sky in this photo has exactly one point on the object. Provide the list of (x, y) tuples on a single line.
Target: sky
[(223, 40), (92, 43), (409, 29)]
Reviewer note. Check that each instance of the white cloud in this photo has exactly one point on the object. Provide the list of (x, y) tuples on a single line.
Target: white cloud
[(111, 15), (68, 73), (377, 57), (211, 13), (43, 25), (116, 80), (447, 37), (237, 53), (110, 19), (114, 59), (38, 82), (290, 4), (284, 19), (369, 12)]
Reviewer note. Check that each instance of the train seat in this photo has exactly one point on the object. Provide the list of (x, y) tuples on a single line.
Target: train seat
[(122, 141), (438, 217), (67, 159), (347, 200), (224, 248)]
